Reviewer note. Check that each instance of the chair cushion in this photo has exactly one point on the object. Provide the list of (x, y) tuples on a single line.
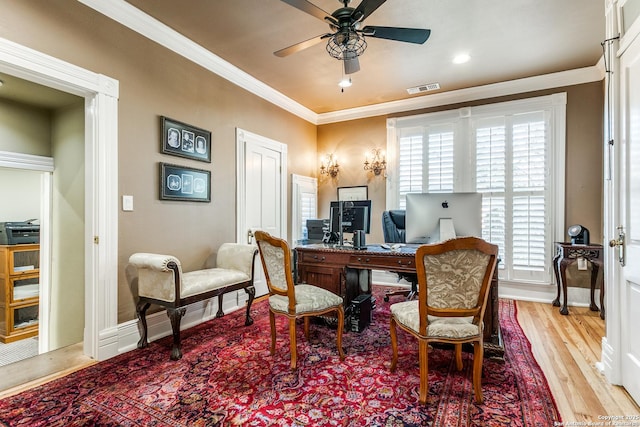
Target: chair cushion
[(407, 314), (199, 281), (309, 298)]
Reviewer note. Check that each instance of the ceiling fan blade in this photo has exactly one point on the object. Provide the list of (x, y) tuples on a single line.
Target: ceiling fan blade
[(351, 65), (300, 46), (366, 8), (409, 35), (311, 9)]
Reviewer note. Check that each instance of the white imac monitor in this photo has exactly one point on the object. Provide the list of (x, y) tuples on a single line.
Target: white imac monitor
[(435, 217)]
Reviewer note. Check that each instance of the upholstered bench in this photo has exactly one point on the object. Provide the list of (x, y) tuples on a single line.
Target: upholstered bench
[(162, 282)]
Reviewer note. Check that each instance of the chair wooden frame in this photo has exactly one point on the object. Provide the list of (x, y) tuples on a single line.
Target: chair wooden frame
[(263, 237), (477, 312)]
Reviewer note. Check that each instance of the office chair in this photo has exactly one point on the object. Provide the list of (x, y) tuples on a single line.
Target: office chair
[(393, 230), (454, 278)]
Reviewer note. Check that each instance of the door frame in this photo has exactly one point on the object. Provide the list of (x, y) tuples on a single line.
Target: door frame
[(101, 183), (241, 185)]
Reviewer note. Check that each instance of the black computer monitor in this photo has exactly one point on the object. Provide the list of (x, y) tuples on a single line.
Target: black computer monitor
[(356, 215)]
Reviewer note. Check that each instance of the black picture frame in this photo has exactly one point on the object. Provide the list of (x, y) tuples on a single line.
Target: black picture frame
[(183, 140), (184, 183)]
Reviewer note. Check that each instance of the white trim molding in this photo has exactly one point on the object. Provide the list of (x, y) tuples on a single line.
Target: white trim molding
[(26, 161)]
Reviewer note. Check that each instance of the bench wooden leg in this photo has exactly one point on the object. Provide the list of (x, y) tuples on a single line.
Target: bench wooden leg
[(220, 313), (141, 310), (251, 291), (175, 315)]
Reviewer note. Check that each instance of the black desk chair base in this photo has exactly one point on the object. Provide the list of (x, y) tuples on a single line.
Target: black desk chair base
[(409, 293)]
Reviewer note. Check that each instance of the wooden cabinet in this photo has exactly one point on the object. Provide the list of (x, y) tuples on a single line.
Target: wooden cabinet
[(19, 291), (325, 270)]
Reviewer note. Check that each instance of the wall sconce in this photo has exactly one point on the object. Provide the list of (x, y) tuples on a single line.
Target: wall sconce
[(377, 163), (330, 166)]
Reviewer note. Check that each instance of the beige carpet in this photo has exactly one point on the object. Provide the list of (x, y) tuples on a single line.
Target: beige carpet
[(18, 350)]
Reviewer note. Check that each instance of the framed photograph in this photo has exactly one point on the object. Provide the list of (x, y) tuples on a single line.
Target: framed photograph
[(353, 193), (181, 139), (183, 183)]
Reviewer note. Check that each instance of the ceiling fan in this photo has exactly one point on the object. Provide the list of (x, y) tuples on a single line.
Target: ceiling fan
[(347, 41)]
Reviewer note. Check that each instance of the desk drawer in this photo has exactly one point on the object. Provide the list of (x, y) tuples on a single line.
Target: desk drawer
[(383, 262), (318, 257)]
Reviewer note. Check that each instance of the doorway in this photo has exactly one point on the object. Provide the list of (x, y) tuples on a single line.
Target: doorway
[(100, 180)]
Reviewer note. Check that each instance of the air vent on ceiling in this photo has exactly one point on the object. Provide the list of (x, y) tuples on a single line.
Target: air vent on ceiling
[(423, 88)]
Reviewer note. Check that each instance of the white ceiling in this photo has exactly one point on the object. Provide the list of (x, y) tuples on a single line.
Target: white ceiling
[(506, 39)]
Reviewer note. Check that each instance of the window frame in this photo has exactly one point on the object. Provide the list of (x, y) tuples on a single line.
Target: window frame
[(554, 105), (301, 184)]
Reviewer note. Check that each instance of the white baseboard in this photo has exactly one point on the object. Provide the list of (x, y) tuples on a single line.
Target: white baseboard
[(578, 297), (159, 325)]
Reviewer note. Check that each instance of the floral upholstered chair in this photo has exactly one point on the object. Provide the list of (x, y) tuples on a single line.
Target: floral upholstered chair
[(453, 285), (291, 300)]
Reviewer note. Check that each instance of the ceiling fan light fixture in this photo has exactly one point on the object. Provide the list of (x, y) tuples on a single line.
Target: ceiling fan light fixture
[(346, 45), (345, 82)]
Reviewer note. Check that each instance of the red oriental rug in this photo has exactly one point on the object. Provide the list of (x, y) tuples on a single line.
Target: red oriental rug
[(227, 377)]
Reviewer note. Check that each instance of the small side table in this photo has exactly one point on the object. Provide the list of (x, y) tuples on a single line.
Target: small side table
[(566, 253)]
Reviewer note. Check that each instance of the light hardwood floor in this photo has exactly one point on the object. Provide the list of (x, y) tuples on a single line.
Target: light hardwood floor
[(567, 349)]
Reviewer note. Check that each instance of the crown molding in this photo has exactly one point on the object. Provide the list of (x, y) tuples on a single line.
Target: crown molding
[(147, 26), (529, 84)]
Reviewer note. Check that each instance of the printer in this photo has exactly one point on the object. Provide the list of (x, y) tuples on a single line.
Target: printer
[(19, 232)]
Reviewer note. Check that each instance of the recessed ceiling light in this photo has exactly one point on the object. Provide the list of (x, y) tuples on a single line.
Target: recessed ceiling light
[(1, 82), (461, 59)]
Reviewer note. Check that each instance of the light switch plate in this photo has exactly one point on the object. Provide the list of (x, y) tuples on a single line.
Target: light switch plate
[(127, 203)]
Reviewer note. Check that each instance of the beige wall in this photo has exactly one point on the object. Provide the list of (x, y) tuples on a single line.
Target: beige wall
[(584, 157), (14, 185), (156, 82), (350, 141), (66, 321), (24, 129)]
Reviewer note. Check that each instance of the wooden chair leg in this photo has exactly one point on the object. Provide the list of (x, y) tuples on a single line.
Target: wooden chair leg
[(459, 357), (423, 354), (339, 331), (394, 344), (175, 316), (272, 322), (251, 291), (307, 322), (292, 342), (478, 354), (141, 309)]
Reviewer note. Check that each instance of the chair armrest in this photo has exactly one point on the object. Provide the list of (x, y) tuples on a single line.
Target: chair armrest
[(237, 256), (157, 262), (158, 275)]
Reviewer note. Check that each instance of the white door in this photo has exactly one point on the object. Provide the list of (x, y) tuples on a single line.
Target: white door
[(261, 192), (630, 219)]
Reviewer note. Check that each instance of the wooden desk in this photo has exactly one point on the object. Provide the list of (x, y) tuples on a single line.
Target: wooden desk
[(347, 272), (567, 253)]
